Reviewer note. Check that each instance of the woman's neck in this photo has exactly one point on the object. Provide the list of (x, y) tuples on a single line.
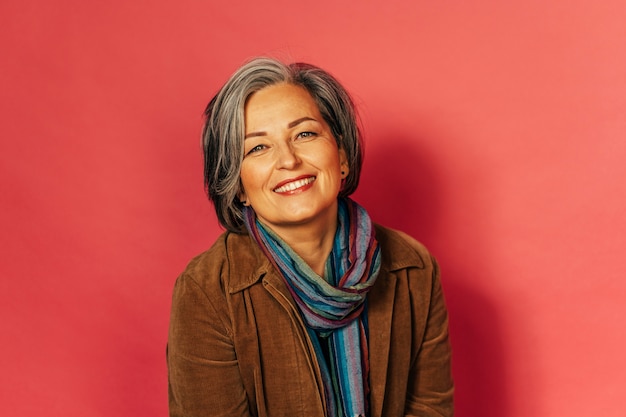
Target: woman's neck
[(312, 242)]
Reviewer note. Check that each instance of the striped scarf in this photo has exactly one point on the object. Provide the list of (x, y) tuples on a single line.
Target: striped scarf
[(333, 309)]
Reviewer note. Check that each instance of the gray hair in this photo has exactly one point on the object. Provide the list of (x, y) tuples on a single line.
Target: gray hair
[(224, 128)]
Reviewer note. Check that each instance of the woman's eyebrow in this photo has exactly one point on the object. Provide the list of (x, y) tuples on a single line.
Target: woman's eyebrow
[(290, 125), (300, 120), (253, 134)]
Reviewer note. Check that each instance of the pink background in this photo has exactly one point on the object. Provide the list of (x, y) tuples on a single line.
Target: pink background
[(495, 134)]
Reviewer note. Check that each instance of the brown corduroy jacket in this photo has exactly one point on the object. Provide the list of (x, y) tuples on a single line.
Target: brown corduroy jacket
[(238, 346)]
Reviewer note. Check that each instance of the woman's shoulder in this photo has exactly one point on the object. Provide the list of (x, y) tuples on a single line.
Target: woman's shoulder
[(215, 255), (231, 255), (399, 250)]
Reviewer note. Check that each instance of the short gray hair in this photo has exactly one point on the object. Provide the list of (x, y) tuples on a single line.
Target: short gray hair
[(224, 128)]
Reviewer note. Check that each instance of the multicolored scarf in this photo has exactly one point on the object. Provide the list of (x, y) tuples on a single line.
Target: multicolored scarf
[(333, 309)]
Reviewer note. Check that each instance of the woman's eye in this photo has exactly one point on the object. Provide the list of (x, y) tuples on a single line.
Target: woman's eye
[(257, 148), (306, 135)]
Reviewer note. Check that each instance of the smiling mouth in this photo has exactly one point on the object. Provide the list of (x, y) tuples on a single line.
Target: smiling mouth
[(294, 185)]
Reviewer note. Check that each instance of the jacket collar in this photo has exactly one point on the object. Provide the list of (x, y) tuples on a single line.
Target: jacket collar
[(397, 253), (248, 263)]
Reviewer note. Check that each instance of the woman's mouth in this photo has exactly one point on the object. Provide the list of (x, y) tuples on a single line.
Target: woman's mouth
[(294, 185)]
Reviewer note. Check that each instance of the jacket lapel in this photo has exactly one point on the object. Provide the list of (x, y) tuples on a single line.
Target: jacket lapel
[(379, 311)]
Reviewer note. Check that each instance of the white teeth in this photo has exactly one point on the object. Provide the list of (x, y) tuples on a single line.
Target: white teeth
[(294, 185)]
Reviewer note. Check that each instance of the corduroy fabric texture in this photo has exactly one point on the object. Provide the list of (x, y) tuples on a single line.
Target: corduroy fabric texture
[(238, 347)]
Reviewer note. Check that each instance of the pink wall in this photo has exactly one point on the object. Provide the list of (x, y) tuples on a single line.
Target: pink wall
[(495, 134)]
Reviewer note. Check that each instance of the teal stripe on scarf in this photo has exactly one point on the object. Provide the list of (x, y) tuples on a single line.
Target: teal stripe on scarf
[(333, 308)]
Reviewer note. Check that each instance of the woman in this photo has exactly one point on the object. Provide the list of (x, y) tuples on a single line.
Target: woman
[(303, 307)]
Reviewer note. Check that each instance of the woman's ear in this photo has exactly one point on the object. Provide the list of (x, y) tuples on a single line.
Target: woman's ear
[(243, 198), (343, 163)]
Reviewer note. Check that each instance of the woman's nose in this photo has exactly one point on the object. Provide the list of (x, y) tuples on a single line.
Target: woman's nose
[(287, 157)]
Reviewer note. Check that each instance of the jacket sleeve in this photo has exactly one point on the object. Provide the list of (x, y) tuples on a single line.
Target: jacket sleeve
[(203, 373), (430, 389)]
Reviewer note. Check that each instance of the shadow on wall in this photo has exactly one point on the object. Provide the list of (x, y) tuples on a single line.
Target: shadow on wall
[(479, 355), (400, 189)]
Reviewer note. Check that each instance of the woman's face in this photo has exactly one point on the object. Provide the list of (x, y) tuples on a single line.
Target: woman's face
[(292, 168)]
